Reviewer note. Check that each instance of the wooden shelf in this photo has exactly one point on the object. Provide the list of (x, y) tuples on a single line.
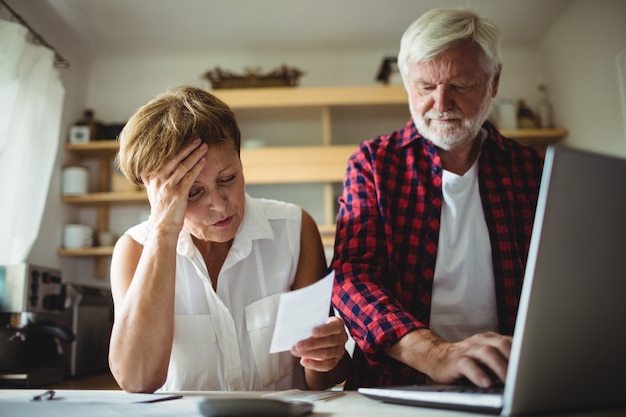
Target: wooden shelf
[(297, 164), (100, 253), (248, 98), (93, 251), (293, 164), (543, 135), (127, 197), (539, 139), (96, 148)]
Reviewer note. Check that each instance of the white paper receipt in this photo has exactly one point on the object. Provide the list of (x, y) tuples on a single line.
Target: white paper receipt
[(300, 311)]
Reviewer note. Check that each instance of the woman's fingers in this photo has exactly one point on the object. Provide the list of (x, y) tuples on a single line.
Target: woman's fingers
[(187, 160), (323, 351)]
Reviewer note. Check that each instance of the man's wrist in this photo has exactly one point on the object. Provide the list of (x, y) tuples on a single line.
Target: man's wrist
[(418, 349)]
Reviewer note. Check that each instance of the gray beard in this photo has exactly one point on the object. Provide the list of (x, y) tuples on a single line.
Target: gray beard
[(448, 137)]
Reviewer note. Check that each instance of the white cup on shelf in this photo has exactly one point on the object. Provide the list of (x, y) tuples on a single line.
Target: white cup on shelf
[(74, 180), (77, 236), (507, 114)]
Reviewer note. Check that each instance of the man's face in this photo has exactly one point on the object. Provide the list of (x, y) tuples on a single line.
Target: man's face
[(450, 96)]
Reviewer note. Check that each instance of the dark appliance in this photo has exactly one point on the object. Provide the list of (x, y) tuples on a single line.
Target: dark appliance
[(32, 342), (89, 315)]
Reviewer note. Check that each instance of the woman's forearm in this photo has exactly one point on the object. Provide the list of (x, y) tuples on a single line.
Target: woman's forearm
[(142, 335)]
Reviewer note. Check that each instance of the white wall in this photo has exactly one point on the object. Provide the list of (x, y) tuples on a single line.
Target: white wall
[(118, 86), (579, 58), (521, 74)]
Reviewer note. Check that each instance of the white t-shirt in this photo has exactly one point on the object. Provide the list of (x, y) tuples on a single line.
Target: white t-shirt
[(463, 298), (222, 338)]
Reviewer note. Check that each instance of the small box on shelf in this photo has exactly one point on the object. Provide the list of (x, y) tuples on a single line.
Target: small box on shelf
[(79, 134)]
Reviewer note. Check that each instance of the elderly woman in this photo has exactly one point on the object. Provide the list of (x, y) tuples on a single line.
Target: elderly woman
[(196, 286)]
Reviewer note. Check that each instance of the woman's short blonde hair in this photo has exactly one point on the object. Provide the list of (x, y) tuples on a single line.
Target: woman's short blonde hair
[(162, 126)]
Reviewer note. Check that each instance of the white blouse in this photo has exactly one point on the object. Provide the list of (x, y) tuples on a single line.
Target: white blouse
[(222, 338)]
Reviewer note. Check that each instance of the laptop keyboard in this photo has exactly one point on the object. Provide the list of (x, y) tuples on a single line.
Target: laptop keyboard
[(496, 388), (473, 390)]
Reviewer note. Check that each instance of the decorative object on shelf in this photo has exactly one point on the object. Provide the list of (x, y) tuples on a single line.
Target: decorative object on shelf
[(388, 69), (525, 116), (79, 134), (544, 109), (96, 130), (283, 76), (113, 130)]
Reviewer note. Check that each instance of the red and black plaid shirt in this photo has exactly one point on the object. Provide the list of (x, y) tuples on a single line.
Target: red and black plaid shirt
[(387, 235)]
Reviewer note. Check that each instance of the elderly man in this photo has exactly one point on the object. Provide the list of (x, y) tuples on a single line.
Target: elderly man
[(435, 219)]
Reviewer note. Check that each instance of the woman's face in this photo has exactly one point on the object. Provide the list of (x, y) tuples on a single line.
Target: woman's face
[(217, 198)]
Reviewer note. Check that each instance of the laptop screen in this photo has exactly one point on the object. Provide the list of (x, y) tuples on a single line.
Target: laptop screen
[(569, 343)]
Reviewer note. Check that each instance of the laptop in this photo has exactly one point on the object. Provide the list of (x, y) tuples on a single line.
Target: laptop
[(569, 345)]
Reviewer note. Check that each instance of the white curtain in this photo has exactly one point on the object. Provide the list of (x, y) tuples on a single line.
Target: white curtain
[(31, 99)]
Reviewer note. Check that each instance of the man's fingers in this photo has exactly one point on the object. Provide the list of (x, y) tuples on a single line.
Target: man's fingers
[(471, 370), (488, 364)]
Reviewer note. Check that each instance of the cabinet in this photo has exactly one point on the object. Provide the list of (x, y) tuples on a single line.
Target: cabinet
[(320, 161)]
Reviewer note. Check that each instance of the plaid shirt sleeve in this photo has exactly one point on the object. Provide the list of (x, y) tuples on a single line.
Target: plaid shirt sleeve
[(366, 302), (365, 270)]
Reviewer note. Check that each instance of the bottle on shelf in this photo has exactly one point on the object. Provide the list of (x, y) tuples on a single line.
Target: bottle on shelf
[(525, 116), (96, 128), (544, 109)]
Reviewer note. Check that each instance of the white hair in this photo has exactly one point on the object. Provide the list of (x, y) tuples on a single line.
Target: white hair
[(440, 29)]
